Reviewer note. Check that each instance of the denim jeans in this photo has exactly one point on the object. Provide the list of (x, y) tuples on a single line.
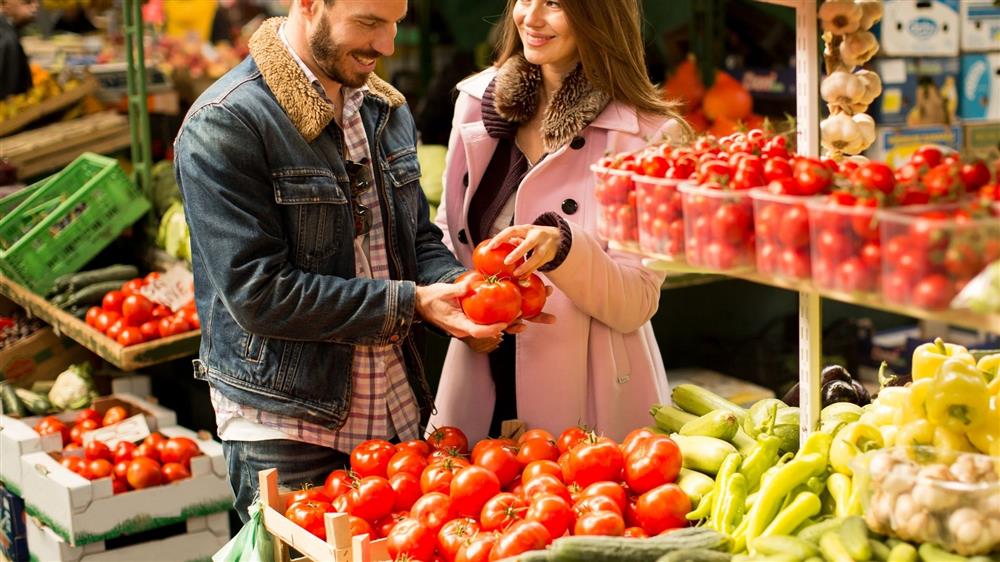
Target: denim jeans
[(297, 463)]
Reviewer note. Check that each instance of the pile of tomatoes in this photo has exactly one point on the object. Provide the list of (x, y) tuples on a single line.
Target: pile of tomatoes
[(130, 318), (496, 294), (154, 461), (435, 500)]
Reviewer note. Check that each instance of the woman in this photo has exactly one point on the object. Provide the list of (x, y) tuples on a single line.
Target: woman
[(569, 85)]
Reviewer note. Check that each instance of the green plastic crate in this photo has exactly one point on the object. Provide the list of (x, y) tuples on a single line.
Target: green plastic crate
[(68, 220), (10, 202)]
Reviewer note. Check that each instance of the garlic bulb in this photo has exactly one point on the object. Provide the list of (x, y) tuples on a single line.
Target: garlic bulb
[(841, 17), (858, 48), (873, 85), (840, 133), (866, 125), (843, 88), (871, 12)]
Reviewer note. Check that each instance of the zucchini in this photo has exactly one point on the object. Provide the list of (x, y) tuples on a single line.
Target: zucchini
[(704, 454), (695, 555), (698, 401), (620, 549), (75, 281), (721, 424), (91, 294), (695, 484), (11, 404), (669, 418), (530, 556), (34, 402)]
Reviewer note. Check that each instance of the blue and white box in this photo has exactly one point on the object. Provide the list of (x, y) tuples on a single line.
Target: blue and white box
[(895, 145), (917, 28), (980, 25), (980, 87), (917, 91)]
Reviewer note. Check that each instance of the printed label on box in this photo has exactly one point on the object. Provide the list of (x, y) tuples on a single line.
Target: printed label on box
[(980, 91), (172, 289), (980, 25), (917, 91), (129, 429), (912, 28), (894, 145)]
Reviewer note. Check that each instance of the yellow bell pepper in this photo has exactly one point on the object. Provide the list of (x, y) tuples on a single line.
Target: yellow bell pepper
[(988, 433), (990, 365), (958, 399), (917, 434), (918, 397), (947, 440), (855, 438), (994, 387), (929, 356)]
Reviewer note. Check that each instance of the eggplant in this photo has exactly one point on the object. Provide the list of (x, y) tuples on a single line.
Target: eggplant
[(792, 396), (863, 397), (838, 391), (835, 373)]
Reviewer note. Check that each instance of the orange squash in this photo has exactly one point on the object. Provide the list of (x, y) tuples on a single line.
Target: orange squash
[(727, 99), (685, 85)]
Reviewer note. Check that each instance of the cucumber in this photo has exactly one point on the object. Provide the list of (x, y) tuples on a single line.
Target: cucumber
[(620, 549), (669, 418), (695, 555), (704, 454), (91, 294), (530, 556), (75, 281), (695, 537), (34, 402), (721, 424), (698, 401), (10, 403)]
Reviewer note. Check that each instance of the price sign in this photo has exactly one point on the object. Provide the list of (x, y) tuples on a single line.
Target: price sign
[(129, 429), (173, 289)]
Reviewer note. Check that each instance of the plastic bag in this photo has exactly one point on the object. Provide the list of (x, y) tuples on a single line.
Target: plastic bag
[(982, 293), (252, 544)]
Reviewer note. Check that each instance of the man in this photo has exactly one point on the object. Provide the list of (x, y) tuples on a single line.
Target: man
[(15, 74), (313, 256)]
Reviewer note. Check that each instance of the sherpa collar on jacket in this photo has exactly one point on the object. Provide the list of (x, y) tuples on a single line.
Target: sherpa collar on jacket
[(307, 109)]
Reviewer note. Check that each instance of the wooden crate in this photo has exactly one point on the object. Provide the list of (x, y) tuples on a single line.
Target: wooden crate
[(339, 546), (53, 146), (55, 103)]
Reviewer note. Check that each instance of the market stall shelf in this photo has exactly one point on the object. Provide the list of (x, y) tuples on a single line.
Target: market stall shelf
[(53, 146), (125, 358), (61, 101)]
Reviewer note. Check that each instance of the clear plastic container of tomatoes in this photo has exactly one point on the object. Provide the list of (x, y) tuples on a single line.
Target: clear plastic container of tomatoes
[(781, 226), (718, 228), (930, 252), (844, 244), (661, 217), (616, 212)]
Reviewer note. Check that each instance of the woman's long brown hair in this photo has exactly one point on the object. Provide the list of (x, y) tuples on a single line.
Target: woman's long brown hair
[(609, 39)]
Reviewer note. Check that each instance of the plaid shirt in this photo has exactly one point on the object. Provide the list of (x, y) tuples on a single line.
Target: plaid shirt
[(382, 402)]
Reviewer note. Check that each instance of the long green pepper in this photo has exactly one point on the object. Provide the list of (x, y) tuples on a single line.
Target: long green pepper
[(773, 492), (804, 506), (732, 509), (720, 500), (763, 456)]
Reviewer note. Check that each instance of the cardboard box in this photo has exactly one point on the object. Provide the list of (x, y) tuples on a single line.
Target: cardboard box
[(40, 356), (85, 511), (980, 25), (18, 436), (198, 539), (982, 140), (917, 92), (919, 28), (13, 534), (895, 145), (979, 95)]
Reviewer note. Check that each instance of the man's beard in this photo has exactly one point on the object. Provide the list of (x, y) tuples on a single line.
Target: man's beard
[(329, 57)]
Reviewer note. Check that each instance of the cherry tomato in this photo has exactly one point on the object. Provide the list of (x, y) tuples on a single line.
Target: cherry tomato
[(92, 314), (876, 177), (115, 329), (112, 301), (491, 301), (928, 155), (933, 292), (129, 335), (602, 523), (491, 262), (106, 319), (150, 330), (173, 325), (136, 309), (133, 287), (793, 227)]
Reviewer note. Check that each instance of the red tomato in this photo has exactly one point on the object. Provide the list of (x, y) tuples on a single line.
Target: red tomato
[(190, 315), (488, 442), (535, 434), (812, 176), (121, 470), (596, 503), (406, 461), (116, 329), (522, 536), (143, 472), (99, 468), (454, 534), (173, 325), (776, 169), (491, 262), (112, 301), (411, 540), (662, 508), (343, 503), (602, 523), (92, 314), (114, 415), (151, 276), (536, 450), (150, 330), (594, 462), (470, 488), (793, 228), (732, 223), (570, 437), (146, 451), (876, 177), (161, 311), (133, 287), (933, 292), (611, 490), (155, 440), (536, 468), (656, 461), (437, 476), (173, 471), (373, 498), (491, 301), (478, 549), (501, 460), (75, 464), (360, 527), (928, 155), (52, 424), (433, 510), (418, 446), (635, 438), (384, 525), (448, 437), (447, 455), (552, 511), (97, 450), (305, 494), (533, 295), (501, 511), (371, 458), (118, 486), (76, 433), (635, 533), (130, 335), (337, 483), (545, 484), (309, 516), (962, 261), (407, 489), (88, 413), (136, 309)]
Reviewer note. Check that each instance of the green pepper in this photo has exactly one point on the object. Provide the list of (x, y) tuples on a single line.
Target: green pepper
[(729, 467), (928, 357), (839, 486), (958, 400), (817, 442), (732, 510), (932, 553), (804, 506), (903, 552), (704, 508), (990, 365), (855, 438), (833, 548), (854, 535), (764, 455), (774, 490)]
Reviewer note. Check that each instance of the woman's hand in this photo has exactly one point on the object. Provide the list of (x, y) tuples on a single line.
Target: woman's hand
[(483, 345), (541, 241)]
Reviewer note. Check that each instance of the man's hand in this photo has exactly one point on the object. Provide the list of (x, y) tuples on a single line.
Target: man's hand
[(483, 345), (439, 305)]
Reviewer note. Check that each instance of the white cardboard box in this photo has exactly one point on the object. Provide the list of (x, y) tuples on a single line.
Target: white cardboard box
[(18, 436), (980, 23), (82, 511), (895, 145), (204, 536), (915, 28), (979, 94)]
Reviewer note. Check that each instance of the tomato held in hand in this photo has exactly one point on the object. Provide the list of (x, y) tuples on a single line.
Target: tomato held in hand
[(491, 301), (143, 472), (533, 295), (491, 262)]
